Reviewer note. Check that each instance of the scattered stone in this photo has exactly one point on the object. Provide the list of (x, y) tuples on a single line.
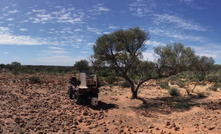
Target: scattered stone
[(151, 127), (177, 128), (211, 128)]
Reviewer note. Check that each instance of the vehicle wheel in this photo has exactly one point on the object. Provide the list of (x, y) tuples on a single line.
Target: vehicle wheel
[(70, 92), (78, 98)]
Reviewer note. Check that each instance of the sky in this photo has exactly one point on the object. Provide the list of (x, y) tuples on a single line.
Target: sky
[(61, 32)]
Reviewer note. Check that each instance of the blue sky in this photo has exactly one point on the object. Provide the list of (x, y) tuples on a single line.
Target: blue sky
[(60, 32)]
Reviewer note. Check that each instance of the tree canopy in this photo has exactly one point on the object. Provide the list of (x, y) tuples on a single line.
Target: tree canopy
[(81, 65)]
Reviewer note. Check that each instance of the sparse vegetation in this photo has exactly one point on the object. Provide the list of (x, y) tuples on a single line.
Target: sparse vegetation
[(181, 84), (125, 84), (34, 79), (215, 87), (111, 79), (201, 95), (173, 91), (163, 84)]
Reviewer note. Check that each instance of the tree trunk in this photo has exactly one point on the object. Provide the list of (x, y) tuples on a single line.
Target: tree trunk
[(134, 94)]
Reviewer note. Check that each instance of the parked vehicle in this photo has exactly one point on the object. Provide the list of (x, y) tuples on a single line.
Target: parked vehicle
[(84, 88)]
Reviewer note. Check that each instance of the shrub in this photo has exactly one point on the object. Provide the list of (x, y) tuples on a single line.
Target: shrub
[(213, 88), (213, 77), (15, 72), (164, 85), (125, 84), (203, 84), (201, 95), (34, 79), (104, 73), (173, 78), (172, 82), (111, 79), (174, 91), (181, 84)]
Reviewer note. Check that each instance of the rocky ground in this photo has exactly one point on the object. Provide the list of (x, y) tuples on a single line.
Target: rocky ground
[(45, 107)]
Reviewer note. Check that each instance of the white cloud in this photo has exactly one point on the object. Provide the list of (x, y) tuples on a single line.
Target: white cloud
[(4, 30), (10, 19), (78, 30), (24, 21), (38, 11), (5, 8), (140, 8), (57, 60), (210, 50), (90, 44), (113, 27), (23, 29), (99, 9), (175, 34), (79, 40), (154, 43), (84, 52), (95, 30), (24, 40), (56, 48), (7, 38), (5, 53), (188, 2), (11, 25), (106, 32), (178, 21), (149, 55), (13, 11)]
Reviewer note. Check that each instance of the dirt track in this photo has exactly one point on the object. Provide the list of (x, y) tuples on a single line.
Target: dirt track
[(45, 108)]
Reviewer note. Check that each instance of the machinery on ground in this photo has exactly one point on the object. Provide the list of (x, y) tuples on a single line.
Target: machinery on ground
[(84, 88)]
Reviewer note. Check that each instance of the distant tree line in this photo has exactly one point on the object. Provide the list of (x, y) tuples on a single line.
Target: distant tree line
[(16, 68)]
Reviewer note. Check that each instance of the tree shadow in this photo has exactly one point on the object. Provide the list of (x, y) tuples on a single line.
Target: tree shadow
[(104, 106), (101, 105), (168, 105)]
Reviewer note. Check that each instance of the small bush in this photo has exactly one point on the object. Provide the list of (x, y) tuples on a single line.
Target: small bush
[(201, 95), (15, 72), (173, 78), (174, 91), (213, 77), (181, 84), (213, 88), (125, 84), (34, 79), (111, 79), (164, 85), (203, 84), (14, 81)]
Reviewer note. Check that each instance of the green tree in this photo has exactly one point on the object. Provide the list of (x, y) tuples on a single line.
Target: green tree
[(173, 59), (82, 65), (122, 49), (203, 66), (95, 63), (16, 65)]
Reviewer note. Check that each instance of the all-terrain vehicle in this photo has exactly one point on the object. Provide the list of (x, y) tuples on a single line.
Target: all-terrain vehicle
[(84, 88)]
